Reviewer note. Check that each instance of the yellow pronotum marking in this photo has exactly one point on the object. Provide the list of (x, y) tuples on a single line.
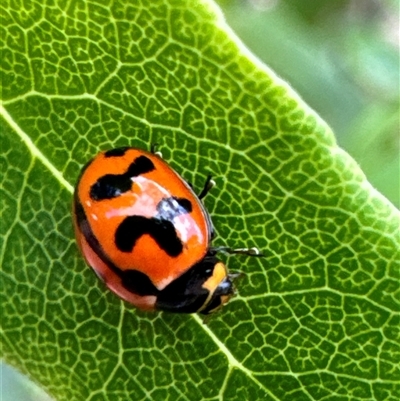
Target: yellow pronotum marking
[(217, 277), (219, 274)]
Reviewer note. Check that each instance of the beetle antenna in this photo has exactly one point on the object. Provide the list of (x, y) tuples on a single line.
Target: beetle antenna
[(242, 251)]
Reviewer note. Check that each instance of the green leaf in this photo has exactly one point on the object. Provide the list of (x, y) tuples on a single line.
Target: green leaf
[(317, 318)]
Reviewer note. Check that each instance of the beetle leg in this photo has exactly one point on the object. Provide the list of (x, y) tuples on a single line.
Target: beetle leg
[(153, 149), (210, 183)]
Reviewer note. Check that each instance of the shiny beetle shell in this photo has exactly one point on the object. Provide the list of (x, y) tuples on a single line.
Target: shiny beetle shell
[(147, 235)]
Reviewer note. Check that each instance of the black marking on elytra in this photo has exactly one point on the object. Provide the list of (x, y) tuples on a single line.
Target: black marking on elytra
[(113, 185), (162, 231), (133, 280), (138, 283), (79, 212), (184, 204), (141, 165), (169, 208), (118, 152), (86, 230), (110, 186)]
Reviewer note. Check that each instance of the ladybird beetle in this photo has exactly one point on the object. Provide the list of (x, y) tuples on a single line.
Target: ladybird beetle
[(148, 236)]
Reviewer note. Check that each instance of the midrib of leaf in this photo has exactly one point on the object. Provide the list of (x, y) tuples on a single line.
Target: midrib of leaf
[(37, 154)]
